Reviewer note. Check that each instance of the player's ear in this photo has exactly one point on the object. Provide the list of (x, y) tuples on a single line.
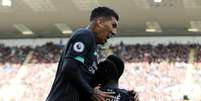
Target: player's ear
[(99, 21)]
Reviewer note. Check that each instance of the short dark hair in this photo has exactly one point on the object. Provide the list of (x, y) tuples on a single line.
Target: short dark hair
[(106, 72), (119, 63), (103, 12)]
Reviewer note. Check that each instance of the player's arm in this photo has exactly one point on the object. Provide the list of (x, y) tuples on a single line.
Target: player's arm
[(75, 59), (73, 73), (71, 68)]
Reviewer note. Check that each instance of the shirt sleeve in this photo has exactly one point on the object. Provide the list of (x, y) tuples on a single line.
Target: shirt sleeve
[(77, 53), (80, 47), (73, 73)]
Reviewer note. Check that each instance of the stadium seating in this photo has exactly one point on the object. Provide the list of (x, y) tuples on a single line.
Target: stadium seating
[(158, 73)]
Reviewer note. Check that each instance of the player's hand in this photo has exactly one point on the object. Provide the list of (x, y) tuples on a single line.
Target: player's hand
[(134, 95), (101, 95)]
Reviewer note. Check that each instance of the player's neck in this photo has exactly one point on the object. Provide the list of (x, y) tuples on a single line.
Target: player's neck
[(112, 84), (91, 27)]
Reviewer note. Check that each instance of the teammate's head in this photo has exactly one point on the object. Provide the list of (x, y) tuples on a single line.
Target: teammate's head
[(118, 62), (106, 72), (105, 21), (109, 70)]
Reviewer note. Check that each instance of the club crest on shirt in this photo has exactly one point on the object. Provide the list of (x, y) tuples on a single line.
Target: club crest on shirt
[(78, 47)]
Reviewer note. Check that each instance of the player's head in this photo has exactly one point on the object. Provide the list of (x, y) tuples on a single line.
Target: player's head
[(106, 72), (118, 62), (109, 70), (105, 21)]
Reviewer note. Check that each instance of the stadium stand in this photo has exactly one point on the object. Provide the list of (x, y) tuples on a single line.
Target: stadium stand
[(157, 73)]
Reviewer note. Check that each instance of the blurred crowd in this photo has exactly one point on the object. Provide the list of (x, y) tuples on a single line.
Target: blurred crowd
[(163, 81), (157, 53), (31, 82), (50, 53), (150, 53), (153, 82), (15, 55), (157, 73)]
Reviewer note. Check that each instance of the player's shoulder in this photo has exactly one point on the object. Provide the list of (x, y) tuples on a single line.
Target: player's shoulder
[(83, 32), (124, 95), (123, 92), (84, 35)]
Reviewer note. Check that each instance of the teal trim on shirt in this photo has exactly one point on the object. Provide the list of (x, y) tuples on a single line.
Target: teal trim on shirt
[(78, 58), (95, 53)]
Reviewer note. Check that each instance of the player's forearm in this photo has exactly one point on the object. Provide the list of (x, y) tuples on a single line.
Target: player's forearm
[(72, 70)]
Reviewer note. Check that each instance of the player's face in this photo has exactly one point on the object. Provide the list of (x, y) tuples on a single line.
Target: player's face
[(108, 28)]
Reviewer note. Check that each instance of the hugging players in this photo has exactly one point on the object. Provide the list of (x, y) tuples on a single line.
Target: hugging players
[(107, 76)]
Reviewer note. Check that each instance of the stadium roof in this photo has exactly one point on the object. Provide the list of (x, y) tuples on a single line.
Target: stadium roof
[(58, 18)]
